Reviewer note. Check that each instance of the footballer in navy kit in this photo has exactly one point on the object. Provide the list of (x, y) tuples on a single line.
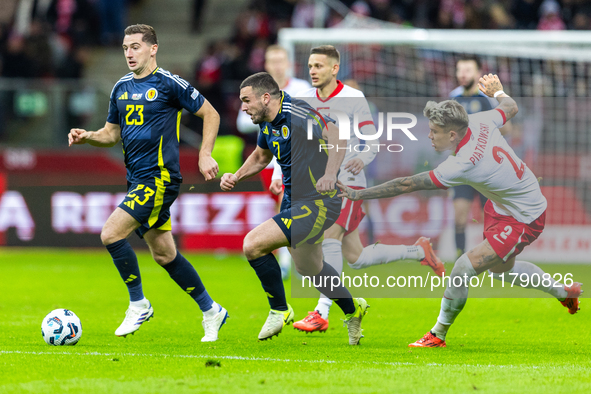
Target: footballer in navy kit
[(309, 205), (144, 114)]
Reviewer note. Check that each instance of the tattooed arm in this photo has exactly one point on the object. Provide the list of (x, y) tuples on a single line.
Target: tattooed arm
[(489, 85), (391, 188)]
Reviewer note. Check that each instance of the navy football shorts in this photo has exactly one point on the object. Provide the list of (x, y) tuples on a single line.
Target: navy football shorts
[(306, 221), (149, 203)]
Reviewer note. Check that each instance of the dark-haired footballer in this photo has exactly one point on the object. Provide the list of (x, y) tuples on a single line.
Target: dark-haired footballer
[(310, 173), (144, 114)]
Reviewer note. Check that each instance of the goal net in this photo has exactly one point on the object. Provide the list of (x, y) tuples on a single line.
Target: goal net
[(548, 73)]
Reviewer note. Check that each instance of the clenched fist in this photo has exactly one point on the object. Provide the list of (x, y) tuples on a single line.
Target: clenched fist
[(228, 182)]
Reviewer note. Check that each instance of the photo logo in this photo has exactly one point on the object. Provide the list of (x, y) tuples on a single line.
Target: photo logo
[(344, 125)]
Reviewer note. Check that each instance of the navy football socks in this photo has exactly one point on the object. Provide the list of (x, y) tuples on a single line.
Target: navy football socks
[(340, 295), (126, 262), (269, 273), (185, 275), (461, 243)]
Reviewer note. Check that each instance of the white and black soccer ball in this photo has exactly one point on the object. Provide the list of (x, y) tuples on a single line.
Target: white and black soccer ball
[(61, 327)]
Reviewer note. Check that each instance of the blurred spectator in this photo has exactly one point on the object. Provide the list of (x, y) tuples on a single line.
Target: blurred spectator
[(15, 62), (113, 20), (550, 16), (525, 13), (73, 65), (499, 17), (37, 47), (304, 14), (196, 20)]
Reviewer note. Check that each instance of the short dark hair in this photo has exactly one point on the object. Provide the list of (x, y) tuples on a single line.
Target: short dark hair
[(471, 58), (148, 33), (262, 83), (328, 50)]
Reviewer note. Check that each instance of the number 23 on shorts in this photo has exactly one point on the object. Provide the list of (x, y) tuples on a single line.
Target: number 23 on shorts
[(147, 194)]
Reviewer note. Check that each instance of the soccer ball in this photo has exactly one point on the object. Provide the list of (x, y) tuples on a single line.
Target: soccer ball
[(61, 327)]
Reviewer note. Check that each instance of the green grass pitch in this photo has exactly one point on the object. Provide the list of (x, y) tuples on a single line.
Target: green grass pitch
[(495, 346)]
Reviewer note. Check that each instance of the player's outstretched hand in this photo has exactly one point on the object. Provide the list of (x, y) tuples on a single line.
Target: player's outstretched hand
[(326, 183), (77, 137), (347, 192), (208, 167), (228, 182), (276, 186), (354, 166), (489, 84)]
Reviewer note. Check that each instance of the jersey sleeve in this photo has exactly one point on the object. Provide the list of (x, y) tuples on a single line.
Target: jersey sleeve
[(367, 127), (495, 116), (448, 174), (261, 140), (187, 96), (113, 115)]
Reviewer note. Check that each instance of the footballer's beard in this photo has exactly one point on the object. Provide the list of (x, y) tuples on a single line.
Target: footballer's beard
[(469, 85), (259, 117)]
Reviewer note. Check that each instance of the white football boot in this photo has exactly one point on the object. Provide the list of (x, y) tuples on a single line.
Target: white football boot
[(213, 325), (134, 318), (353, 321), (275, 323)]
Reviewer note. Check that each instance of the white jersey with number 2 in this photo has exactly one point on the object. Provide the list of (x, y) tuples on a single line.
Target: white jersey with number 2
[(485, 161)]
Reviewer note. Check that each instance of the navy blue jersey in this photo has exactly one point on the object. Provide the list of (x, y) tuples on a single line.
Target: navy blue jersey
[(472, 104), (148, 110), (301, 160)]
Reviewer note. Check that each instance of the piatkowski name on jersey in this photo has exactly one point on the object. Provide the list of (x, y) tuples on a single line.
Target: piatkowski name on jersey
[(350, 101), (486, 162)]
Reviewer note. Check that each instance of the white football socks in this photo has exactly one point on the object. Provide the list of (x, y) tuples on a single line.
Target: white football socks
[(333, 255), (381, 254), (323, 307), (531, 273), (454, 297), (215, 308), (141, 304)]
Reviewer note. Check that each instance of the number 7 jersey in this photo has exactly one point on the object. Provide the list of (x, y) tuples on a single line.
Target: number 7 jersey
[(148, 110), (485, 161)]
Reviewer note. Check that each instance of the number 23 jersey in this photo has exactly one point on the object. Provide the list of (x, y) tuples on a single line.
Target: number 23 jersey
[(485, 161), (148, 110)]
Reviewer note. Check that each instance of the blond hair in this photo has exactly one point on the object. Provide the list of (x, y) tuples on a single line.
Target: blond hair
[(448, 114)]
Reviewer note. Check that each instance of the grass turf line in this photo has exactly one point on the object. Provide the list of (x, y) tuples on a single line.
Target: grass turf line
[(496, 345)]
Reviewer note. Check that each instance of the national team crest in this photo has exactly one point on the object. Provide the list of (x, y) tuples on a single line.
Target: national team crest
[(276, 133), (285, 132), (151, 94)]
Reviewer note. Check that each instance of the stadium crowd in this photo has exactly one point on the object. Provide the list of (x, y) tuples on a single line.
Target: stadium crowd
[(54, 38)]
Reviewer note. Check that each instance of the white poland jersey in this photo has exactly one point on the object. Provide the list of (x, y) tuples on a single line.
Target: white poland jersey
[(350, 101), (485, 161)]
